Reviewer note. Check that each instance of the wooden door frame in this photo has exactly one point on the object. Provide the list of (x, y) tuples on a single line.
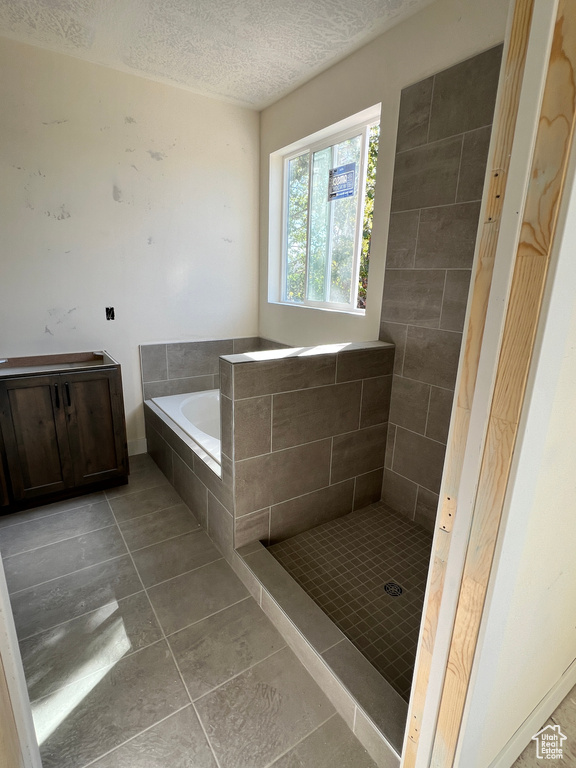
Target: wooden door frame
[(501, 324)]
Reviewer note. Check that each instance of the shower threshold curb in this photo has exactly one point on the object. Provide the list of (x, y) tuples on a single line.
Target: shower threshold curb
[(373, 710)]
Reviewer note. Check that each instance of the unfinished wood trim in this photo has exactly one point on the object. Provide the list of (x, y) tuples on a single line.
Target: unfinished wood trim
[(10, 752), (547, 178), (502, 139)]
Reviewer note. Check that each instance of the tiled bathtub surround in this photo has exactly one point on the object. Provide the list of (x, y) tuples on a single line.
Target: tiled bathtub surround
[(190, 366), (209, 496), (443, 137), (305, 430), (303, 440)]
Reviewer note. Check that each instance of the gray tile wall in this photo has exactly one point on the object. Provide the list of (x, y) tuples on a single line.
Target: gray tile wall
[(210, 497), (190, 366), (307, 437), (442, 147), (303, 439)]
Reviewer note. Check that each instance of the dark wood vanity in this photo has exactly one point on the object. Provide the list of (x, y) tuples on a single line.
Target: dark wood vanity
[(62, 428)]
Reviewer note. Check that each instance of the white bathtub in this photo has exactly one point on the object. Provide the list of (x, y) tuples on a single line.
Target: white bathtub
[(197, 414)]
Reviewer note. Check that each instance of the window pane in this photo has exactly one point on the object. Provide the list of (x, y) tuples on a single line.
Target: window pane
[(297, 227), (319, 247), (344, 226)]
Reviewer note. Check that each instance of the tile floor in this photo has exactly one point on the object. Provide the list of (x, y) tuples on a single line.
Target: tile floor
[(564, 716), (142, 649), (344, 565)]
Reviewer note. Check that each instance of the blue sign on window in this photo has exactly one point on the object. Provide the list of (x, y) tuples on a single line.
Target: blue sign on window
[(342, 181)]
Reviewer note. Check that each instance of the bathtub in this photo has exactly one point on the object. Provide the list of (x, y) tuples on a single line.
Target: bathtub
[(198, 415)]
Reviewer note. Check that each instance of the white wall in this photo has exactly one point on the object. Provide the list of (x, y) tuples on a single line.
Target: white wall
[(118, 191), (528, 637), (442, 34)]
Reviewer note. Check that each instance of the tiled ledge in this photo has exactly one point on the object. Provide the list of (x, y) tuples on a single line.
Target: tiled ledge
[(366, 701)]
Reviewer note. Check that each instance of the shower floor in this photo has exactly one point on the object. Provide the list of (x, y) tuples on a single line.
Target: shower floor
[(344, 566)]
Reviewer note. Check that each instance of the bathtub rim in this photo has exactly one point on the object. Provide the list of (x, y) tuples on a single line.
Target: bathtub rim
[(172, 406), (185, 437)]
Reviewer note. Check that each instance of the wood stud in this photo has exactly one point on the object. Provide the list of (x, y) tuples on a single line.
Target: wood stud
[(502, 139), (544, 194)]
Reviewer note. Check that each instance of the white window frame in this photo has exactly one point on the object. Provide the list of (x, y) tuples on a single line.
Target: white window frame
[(346, 129)]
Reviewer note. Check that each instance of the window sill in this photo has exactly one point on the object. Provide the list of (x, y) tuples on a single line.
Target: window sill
[(292, 305)]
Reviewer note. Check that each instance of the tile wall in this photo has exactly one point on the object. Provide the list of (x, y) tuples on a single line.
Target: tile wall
[(306, 435), (190, 366), (176, 368), (441, 153), (303, 437)]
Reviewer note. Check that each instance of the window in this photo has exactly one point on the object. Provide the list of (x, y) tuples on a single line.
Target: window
[(328, 198)]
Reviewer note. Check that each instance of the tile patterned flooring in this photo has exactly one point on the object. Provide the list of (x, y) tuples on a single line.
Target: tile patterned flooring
[(344, 564), (564, 716), (142, 648)]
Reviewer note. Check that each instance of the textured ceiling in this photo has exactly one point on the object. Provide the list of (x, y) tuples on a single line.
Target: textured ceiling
[(251, 52)]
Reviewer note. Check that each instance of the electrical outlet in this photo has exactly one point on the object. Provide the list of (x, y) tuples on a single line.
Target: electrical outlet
[(109, 313)]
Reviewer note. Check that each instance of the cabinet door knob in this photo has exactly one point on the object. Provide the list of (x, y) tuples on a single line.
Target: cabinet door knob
[(67, 387), (57, 395)]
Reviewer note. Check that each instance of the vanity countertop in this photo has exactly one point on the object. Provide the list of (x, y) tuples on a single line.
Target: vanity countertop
[(67, 361)]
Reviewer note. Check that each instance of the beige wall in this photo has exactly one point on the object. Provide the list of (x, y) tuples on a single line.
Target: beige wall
[(441, 35), (118, 191)]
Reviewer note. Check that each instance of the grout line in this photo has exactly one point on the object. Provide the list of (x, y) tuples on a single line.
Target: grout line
[(176, 665), (58, 541), (408, 378), (311, 442), (81, 615), (170, 538), (109, 666), (443, 205), (417, 238), (317, 728), (424, 327), (209, 616), (162, 509), (132, 738), (423, 269), (320, 386), (330, 465), (427, 414), (50, 514), (361, 404), (430, 109), (333, 644), (251, 666), (271, 423), (185, 573), (204, 731), (459, 170), (70, 573), (420, 434), (139, 490)]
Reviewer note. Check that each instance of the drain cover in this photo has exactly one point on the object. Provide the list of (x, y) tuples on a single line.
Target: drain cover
[(393, 589)]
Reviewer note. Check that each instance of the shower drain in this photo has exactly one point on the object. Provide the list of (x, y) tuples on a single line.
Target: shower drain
[(393, 589)]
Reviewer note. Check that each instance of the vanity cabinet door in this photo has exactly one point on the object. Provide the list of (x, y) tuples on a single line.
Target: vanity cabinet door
[(4, 494), (95, 419), (33, 423)]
